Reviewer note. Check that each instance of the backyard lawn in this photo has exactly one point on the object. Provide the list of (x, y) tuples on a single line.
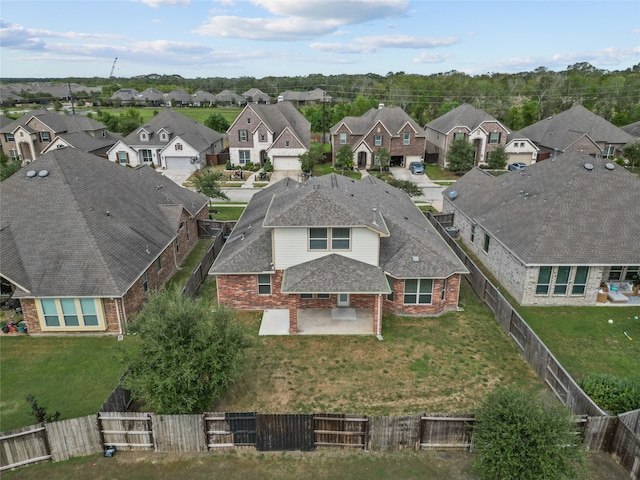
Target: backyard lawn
[(197, 114)]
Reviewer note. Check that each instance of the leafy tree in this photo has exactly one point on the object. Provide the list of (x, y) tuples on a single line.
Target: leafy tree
[(188, 354), (207, 182), (382, 158), (310, 159), (217, 122), (632, 153), (410, 188), (517, 436), (344, 158), (8, 166), (497, 158), (461, 156)]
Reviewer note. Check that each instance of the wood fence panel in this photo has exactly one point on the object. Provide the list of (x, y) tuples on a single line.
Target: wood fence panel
[(76, 437), (126, 431), (284, 432), (445, 431), (338, 430), (118, 401), (217, 430), (598, 432), (179, 433), (23, 446), (243, 428), (625, 449), (394, 433)]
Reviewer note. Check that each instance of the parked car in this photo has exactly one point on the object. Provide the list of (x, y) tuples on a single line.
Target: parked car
[(517, 166), (416, 168)]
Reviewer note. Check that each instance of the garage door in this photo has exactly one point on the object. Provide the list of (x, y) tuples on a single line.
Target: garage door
[(179, 163), (286, 163)]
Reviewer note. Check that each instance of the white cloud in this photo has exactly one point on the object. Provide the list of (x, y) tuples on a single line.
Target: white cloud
[(21, 38), (376, 43), (266, 29), (431, 57), (343, 11), (341, 48), (160, 3)]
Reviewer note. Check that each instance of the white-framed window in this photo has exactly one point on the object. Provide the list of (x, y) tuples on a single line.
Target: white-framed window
[(245, 156), (318, 238), (264, 284), (418, 291), (287, 143), (444, 289), (178, 147), (459, 136), (146, 156), (377, 140), (406, 138), (123, 157), (177, 244), (9, 137), (306, 296), (608, 151), (544, 280), (494, 137), (14, 154), (343, 138), (390, 282), (340, 239), (45, 137), (631, 272), (580, 280), (163, 137), (473, 233), (70, 312), (144, 137), (562, 280), (243, 135), (376, 159)]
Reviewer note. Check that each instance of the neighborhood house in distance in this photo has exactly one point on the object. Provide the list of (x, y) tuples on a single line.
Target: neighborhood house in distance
[(333, 247), (83, 239), (556, 233)]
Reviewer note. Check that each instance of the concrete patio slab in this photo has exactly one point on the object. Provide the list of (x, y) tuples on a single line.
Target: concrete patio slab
[(275, 322)]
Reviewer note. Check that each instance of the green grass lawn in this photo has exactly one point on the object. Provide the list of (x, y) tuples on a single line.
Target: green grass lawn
[(585, 343), (327, 168), (436, 172), (225, 213), (73, 375), (197, 114)]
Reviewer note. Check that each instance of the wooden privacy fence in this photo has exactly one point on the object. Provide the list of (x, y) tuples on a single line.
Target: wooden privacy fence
[(200, 272)]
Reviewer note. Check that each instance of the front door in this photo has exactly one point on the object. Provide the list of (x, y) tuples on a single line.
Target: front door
[(343, 300)]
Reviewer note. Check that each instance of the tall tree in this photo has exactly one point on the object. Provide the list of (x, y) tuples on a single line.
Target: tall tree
[(497, 158), (461, 156), (382, 158), (208, 183), (188, 354), (217, 122), (344, 158)]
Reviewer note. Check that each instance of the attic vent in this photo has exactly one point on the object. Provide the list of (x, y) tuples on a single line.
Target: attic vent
[(415, 258), (609, 166), (43, 173), (31, 173), (588, 166), (453, 194)]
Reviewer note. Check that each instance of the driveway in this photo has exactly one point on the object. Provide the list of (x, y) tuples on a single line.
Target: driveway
[(431, 192), (177, 176)]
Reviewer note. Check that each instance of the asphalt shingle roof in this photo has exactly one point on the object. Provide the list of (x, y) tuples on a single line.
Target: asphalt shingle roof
[(558, 212), (88, 228), (463, 115), (249, 248), (279, 116), (393, 118)]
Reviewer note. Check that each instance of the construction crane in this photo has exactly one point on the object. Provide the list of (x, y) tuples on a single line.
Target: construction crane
[(113, 67)]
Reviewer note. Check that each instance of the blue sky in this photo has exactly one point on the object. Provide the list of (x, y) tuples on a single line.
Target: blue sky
[(258, 38)]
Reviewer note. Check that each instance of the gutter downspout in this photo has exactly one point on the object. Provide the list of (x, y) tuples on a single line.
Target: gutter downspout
[(379, 329), (115, 302)]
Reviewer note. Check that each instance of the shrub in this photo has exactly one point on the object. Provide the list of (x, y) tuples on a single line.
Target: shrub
[(228, 166), (268, 166), (612, 393)]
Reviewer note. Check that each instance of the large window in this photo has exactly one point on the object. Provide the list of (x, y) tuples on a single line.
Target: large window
[(245, 156), (264, 284), (318, 239), (145, 281), (608, 151), (487, 242), (418, 291), (123, 157), (406, 138), (544, 280), (459, 136), (343, 139), (45, 137), (580, 281), (70, 312), (14, 154), (9, 137), (631, 272), (562, 281), (494, 137), (243, 135), (146, 156), (618, 272), (378, 140), (340, 238)]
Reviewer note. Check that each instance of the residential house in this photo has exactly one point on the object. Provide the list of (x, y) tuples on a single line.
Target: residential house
[(338, 247), (124, 96), (385, 127), (552, 233), (255, 95), (150, 97), (203, 99), (229, 98), (83, 240), (577, 129), (169, 140), (177, 98), (277, 131), (29, 136), (482, 130), (43, 92), (632, 129), (85, 142), (304, 98)]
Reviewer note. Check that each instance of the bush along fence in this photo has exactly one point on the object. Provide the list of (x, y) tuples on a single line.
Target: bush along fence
[(140, 431), (548, 368)]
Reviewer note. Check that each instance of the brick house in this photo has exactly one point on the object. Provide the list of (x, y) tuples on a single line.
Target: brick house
[(83, 240), (552, 234), (482, 130), (277, 131), (385, 127), (36, 132), (320, 245)]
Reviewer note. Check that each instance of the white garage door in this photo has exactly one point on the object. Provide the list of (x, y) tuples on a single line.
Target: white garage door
[(286, 163), (179, 163)]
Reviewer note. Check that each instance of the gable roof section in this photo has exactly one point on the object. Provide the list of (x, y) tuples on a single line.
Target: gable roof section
[(56, 122), (86, 142), (463, 115), (410, 233), (557, 212), (393, 119), (86, 228), (282, 115), (562, 130)]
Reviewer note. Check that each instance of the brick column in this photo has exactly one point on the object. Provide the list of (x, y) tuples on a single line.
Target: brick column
[(293, 316)]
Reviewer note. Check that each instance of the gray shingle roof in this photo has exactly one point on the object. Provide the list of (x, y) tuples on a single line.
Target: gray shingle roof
[(560, 131), (463, 115), (393, 118), (632, 129), (59, 240), (88, 143), (558, 212), (319, 276), (249, 248), (57, 122), (279, 116)]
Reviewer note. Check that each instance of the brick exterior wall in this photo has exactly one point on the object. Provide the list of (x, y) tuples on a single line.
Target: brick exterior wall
[(287, 136), (585, 145), (437, 306), (241, 124)]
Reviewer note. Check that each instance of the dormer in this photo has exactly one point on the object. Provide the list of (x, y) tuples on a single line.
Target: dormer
[(144, 135), (164, 135)]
